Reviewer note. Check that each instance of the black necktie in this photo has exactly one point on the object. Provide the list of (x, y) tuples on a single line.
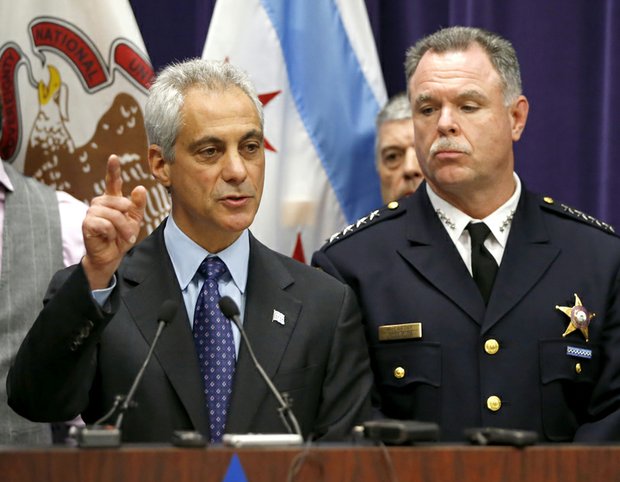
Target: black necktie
[(483, 265)]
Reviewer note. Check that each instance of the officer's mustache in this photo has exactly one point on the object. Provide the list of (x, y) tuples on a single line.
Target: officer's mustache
[(446, 144)]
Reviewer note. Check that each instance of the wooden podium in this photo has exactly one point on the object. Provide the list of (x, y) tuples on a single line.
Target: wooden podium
[(441, 463)]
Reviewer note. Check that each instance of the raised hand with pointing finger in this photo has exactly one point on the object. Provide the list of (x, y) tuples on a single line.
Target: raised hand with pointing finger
[(111, 226)]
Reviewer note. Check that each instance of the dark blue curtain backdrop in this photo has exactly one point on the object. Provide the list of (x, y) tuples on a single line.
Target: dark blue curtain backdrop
[(570, 63)]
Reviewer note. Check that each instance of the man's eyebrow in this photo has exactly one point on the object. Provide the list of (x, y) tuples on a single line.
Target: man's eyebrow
[(420, 99), (472, 94), (254, 133), (204, 140)]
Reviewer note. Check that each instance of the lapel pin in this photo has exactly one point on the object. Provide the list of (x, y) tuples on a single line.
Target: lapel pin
[(278, 317), (579, 317)]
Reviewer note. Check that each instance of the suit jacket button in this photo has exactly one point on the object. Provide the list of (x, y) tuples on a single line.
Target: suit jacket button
[(578, 368), (491, 346), (494, 403), (399, 372)]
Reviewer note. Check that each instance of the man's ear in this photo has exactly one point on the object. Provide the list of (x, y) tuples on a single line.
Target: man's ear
[(518, 116), (159, 167)]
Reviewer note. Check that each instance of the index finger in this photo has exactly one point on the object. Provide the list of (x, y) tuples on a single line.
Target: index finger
[(113, 180)]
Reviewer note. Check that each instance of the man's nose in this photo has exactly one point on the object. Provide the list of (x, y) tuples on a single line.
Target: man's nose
[(447, 124), (234, 170)]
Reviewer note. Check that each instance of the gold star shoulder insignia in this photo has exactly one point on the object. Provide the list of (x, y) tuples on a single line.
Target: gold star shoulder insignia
[(579, 317)]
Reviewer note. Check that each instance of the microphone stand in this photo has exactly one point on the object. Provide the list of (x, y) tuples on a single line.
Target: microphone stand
[(231, 311), (99, 435)]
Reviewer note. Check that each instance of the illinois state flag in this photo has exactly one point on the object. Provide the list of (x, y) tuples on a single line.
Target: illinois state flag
[(74, 78), (316, 69)]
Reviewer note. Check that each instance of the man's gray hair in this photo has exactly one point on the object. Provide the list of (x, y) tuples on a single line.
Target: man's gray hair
[(395, 109), (500, 51), (162, 113)]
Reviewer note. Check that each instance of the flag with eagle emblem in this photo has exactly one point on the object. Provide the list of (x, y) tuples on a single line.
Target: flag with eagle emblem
[(74, 78)]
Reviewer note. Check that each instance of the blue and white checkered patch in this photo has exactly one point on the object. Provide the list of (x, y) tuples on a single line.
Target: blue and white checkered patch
[(578, 352)]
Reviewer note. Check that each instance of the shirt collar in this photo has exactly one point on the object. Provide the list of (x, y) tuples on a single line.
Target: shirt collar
[(455, 221), (4, 178), (186, 256)]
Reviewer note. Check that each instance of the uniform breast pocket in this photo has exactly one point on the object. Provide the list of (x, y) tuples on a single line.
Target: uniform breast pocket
[(408, 378), (567, 375)]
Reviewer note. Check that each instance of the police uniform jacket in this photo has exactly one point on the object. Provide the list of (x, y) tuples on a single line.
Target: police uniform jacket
[(503, 365)]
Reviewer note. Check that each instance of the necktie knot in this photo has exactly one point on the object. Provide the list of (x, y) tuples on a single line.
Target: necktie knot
[(478, 233), (212, 268)]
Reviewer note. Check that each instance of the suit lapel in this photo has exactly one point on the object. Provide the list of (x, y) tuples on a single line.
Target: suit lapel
[(527, 257), (267, 280), (153, 283), (432, 253)]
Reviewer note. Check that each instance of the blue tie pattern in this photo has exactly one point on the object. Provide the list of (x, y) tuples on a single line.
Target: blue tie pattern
[(215, 346)]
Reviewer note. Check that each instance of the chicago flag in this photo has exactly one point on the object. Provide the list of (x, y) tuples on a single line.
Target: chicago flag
[(316, 69), (74, 77)]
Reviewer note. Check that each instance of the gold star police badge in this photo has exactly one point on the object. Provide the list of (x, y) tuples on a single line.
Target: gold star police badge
[(579, 317)]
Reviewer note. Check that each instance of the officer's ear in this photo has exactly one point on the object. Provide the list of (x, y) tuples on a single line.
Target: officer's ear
[(518, 116)]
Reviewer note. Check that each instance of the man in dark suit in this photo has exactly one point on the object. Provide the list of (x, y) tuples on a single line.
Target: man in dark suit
[(205, 127), (513, 325)]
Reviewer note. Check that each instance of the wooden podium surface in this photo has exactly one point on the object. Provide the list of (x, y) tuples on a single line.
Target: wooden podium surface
[(555, 463)]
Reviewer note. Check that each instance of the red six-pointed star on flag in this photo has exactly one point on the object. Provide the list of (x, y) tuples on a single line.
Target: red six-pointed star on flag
[(265, 99)]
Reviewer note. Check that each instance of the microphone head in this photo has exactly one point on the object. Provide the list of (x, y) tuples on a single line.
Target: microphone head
[(228, 307), (167, 310)]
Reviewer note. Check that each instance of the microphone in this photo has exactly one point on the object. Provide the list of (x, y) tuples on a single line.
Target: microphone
[(231, 311), (99, 435)]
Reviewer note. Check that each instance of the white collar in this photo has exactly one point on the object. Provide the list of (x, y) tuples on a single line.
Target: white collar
[(455, 221)]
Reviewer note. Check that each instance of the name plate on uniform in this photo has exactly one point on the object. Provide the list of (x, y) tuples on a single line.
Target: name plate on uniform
[(404, 331)]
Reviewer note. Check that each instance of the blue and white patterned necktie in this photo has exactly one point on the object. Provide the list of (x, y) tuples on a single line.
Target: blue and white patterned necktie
[(215, 346)]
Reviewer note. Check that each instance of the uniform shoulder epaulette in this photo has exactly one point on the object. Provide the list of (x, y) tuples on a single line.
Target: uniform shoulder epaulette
[(386, 212), (567, 211)]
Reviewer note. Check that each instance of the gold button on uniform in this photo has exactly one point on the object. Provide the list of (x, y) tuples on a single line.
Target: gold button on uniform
[(578, 367), (494, 403), (393, 205), (399, 372), (491, 346)]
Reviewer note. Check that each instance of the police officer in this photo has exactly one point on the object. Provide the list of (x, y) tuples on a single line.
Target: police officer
[(484, 304)]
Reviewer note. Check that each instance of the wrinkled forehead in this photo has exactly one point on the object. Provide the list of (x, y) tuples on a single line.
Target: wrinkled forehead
[(467, 69)]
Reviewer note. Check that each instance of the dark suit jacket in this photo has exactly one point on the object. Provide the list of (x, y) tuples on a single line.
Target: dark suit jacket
[(77, 357), (404, 268)]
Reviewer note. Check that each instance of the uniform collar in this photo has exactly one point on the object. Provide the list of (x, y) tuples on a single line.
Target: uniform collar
[(455, 221), (186, 256)]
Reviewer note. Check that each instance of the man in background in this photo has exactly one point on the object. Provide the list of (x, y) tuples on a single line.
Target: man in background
[(396, 159), (485, 305)]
